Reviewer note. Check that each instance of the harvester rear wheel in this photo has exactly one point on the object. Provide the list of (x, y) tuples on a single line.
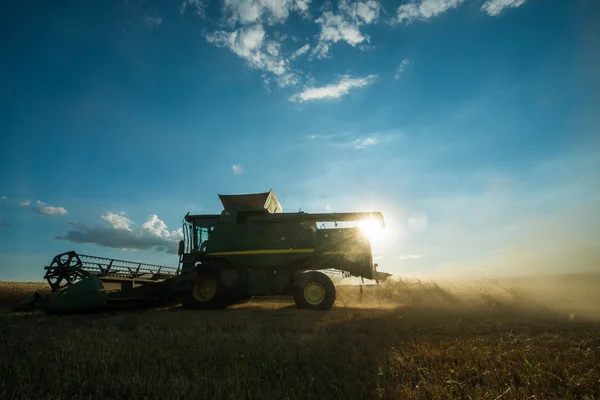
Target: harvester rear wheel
[(208, 291), (314, 290)]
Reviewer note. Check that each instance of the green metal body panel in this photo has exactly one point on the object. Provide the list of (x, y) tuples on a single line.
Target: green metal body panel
[(85, 295)]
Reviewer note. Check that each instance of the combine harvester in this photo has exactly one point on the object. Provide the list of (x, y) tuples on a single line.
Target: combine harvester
[(251, 248)]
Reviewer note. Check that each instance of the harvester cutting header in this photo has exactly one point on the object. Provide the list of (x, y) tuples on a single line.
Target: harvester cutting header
[(252, 248)]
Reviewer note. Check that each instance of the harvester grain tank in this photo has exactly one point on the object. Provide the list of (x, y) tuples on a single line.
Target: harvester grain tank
[(252, 248)]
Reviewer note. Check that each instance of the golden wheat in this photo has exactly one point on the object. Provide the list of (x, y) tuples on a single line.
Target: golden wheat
[(402, 340)]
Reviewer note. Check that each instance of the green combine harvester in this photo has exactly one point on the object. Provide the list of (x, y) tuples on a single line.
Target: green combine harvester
[(250, 249)]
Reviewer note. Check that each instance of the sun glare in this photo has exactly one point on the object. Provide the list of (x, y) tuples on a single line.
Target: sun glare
[(372, 230)]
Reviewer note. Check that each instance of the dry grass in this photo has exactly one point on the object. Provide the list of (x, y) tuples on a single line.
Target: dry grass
[(12, 293), (403, 340)]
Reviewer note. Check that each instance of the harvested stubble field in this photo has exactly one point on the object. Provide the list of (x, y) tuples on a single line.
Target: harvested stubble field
[(402, 340)]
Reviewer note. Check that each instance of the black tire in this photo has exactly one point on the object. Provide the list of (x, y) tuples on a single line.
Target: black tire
[(314, 290), (208, 291)]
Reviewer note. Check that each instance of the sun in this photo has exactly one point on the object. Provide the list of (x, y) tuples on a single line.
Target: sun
[(372, 230)]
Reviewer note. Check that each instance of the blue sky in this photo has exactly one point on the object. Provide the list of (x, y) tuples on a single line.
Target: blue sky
[(471, 124)]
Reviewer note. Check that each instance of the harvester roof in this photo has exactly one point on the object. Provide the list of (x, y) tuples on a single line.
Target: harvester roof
[(252, 201)]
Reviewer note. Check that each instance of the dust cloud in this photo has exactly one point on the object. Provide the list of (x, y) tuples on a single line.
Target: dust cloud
[(572, 296), (526, 240)]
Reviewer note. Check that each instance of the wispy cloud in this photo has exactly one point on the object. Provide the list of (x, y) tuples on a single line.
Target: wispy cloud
[(120, 232), (42, 209), (321, 137), (152, 21), (251, 44), (300, 52), (401, 67), (248, 30), (424, 9), (363, 11), (5, 224), (302, 7), (345, 25), (198, 7), (353, 141), (408, 256), (495, 7), (334, 90), (263, 11), (365, 142)]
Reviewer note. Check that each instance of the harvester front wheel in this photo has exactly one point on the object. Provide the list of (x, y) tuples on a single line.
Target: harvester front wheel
[(207, 291), (314, 290)]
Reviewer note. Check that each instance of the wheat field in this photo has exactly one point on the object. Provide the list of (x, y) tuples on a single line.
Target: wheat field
[(399, 340)]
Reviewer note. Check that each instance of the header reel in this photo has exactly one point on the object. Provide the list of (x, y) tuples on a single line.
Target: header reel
[(65, 270)]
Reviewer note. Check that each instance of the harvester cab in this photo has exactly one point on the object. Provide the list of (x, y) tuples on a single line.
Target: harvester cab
[(251, 248)]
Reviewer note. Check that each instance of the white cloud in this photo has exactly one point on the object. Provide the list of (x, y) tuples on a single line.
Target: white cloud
[(424, 9), (302, 7), (43, 209), (198, 6), (408, 256), (262, 11), (401, 67), (335, 28), (495, 7), (321, 137), (346, 140), (121, 233), (363, 11), (370, 140), (152, 22), (334, 90), (345, 26), (300, 52), (117, 221), (273, 48), (280, 37), (246, 11), (40, 208), (365, 142), (250, 44), (156, 227)]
